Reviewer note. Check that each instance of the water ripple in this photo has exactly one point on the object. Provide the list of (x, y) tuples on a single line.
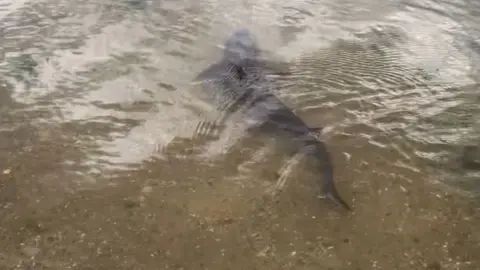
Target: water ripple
[(103, 143)]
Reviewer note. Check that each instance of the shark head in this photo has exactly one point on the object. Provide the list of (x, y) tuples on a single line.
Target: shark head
[(240, 47)]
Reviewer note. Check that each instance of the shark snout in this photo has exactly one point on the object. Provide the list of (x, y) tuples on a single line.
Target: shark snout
[(240, 46)]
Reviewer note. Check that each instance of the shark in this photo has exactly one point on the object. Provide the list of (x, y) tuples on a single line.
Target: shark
[(240, 83)]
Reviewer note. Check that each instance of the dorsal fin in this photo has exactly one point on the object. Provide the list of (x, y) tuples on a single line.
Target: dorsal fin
[(238, 71)]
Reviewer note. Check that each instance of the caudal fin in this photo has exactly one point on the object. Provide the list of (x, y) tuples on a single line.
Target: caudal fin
[(333, 196), (329, 189)]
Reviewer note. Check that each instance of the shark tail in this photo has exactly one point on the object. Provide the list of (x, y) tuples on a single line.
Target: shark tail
[(333, 196), (329, 190)]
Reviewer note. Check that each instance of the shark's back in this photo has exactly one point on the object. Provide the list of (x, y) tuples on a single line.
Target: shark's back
[(238, 81)]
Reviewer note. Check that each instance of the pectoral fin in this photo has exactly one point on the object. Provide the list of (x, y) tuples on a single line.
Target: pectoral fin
[(209, 73), (277, 68)]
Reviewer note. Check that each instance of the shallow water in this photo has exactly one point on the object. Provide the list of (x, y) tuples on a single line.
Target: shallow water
[(102, 164)]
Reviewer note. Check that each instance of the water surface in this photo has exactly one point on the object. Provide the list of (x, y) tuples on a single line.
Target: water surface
[(103, 166)]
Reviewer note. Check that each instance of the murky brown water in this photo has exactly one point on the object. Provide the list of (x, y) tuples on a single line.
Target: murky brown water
[(101, 165)]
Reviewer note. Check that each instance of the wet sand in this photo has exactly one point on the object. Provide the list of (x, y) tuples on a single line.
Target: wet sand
[(179, 213)]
